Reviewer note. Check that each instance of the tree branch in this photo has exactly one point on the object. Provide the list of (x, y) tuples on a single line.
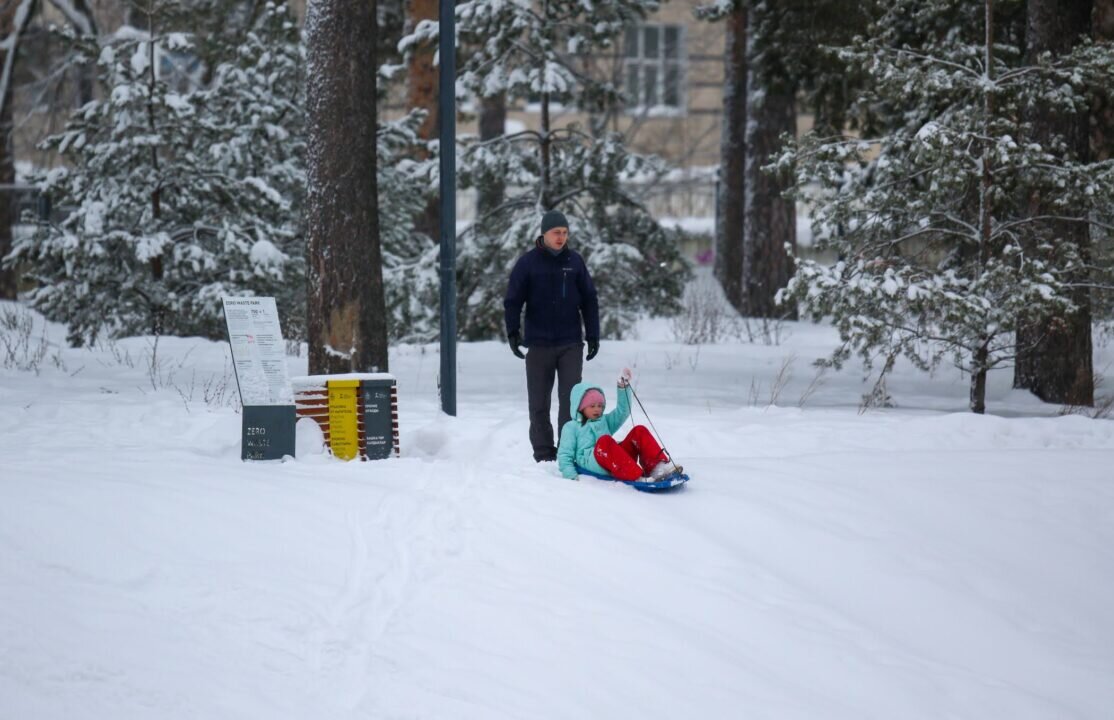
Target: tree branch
[(10, 44), (936, 60)]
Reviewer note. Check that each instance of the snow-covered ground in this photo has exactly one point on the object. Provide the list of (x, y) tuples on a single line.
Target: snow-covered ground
[(914, 562)]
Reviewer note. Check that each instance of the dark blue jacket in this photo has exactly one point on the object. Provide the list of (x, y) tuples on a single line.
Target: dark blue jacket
[(557, 291)]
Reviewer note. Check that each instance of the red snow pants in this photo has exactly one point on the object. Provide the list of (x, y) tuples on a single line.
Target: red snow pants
[(633, 457)]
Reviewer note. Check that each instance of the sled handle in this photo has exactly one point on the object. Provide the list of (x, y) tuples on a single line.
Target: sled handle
[(643, 408)]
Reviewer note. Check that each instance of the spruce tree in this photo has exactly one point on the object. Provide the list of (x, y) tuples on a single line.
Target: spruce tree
[(253, 120), (172, 199), (938, 258), (410, 278)]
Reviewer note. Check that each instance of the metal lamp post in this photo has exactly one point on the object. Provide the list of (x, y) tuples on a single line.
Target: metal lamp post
[(446, 118)]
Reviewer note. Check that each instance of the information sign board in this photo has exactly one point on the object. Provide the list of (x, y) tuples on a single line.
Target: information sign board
[(259, 360), (258, 351)]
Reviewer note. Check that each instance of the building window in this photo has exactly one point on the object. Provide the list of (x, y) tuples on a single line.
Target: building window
[(654, 66)]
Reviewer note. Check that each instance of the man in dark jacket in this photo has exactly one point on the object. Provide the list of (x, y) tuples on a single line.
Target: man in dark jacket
[(553, 283)]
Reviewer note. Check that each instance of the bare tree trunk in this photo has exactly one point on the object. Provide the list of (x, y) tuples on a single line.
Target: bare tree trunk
[(14, 17), (156, 305), (9, 281), (421, 92), (546, 143), (986, 208), (346, 313), (493, 124), (770, 221), (1054, 354), (978, 379), (1102, 115), (731, 189), (421, 73)]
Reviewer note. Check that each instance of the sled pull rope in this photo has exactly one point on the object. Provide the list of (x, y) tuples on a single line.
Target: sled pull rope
[(643, 408)]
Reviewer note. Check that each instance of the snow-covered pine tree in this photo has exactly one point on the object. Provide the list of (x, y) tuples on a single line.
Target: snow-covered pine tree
[(410, 278), (216, 27), (172, 199), (106, 263), (536, 51), (937, 258), (407, 178), (253, 121)]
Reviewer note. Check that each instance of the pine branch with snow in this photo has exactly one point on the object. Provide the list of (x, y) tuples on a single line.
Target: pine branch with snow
[(938, 256), (410, 258), (536, 53), (172, 199)]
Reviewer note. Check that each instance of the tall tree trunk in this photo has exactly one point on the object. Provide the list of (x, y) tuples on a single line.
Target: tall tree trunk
[(493, 124), (986, 206), (731, 188), (1102, 115), (421, 73), (14, 17), (346, 313), (546, 147), (9, 281), (156, 304), (770, 221), (1054, 354), (546, 141), (422, 93)]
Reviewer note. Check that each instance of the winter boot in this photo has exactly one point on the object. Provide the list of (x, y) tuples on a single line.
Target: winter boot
[(664, 469)]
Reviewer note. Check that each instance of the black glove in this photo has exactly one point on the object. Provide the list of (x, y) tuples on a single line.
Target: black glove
[(515, 341), (593, 348)]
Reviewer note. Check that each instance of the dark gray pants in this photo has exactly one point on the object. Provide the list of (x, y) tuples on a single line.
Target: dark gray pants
[(542, 363)]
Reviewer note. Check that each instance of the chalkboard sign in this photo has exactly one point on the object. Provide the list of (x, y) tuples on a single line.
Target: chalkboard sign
[(378, 422)]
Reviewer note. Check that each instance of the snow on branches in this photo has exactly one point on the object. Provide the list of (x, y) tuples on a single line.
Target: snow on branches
[(171, 198), (536, 53), (938, 254)]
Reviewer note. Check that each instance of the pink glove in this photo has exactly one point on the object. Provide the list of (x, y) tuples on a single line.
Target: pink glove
[(624, 378)]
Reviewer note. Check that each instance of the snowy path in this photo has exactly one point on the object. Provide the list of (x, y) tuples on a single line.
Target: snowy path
[(822, 564)]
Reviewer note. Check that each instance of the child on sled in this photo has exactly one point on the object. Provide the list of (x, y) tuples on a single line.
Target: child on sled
[(587, 442)]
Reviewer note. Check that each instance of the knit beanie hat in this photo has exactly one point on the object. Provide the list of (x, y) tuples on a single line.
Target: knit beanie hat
[(591, 397), (553, 219)]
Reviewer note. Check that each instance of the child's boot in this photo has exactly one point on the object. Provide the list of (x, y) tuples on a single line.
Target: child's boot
[(664, 469)]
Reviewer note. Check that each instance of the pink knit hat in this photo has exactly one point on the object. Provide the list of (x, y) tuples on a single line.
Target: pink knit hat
[(591, 397)]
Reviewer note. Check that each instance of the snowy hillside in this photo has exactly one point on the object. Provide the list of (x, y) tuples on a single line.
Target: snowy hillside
[(913, 562)]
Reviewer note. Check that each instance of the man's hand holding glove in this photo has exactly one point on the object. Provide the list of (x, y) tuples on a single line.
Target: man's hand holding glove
[(515, 341), (593, 347)]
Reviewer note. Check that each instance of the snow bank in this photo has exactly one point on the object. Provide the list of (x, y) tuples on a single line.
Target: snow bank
[(911, 563)]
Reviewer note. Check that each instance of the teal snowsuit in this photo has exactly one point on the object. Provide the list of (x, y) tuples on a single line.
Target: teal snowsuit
[(578, 438)]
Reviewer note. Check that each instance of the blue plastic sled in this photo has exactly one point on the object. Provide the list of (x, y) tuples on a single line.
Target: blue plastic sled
[(668, 482)]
